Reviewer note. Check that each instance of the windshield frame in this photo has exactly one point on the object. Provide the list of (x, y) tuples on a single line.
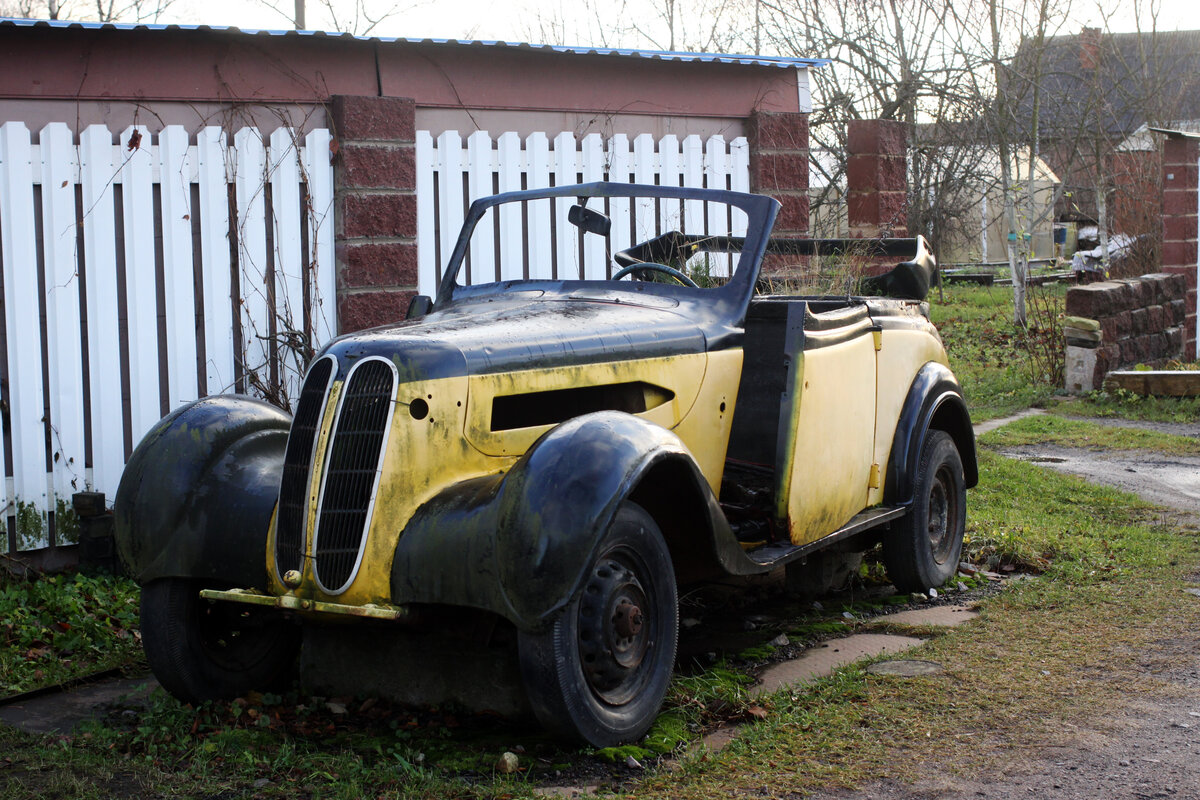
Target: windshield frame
[(729, 299)]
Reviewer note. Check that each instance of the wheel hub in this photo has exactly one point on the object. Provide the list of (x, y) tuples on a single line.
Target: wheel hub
[(614, 634)]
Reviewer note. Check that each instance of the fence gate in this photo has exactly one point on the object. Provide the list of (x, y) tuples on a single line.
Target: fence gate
[(138, 276)]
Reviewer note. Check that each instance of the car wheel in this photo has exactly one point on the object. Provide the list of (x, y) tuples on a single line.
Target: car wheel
[(601, 670), (204, 650), (922, 550)]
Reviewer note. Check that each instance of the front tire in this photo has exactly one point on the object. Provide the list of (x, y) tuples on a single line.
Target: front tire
[(601, 670), (204, 650), (922, 550)]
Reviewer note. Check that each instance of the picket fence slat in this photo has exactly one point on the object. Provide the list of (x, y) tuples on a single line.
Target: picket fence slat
[(211, 158), (23, 329), (59, 166), (126, 190), (541, 261), (565, 170), (175, 169), (322, 276), (479, 184), (512, 238), (289, 264), (100, 279), (250, 171), (595, 262), (450, 199), (427, 266), (141, 302)]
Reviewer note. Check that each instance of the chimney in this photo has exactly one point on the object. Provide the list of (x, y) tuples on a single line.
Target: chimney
[(1089, 49)]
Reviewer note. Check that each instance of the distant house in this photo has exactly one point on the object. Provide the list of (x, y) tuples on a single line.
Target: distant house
[(1097, 90)]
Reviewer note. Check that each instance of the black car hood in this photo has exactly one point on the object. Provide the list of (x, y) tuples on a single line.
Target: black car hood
[(526, 329)]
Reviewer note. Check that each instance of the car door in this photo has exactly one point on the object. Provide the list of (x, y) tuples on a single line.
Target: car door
[(827, 430)]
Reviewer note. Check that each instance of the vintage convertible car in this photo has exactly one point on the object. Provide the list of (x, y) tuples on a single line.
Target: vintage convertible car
[(559, 454)]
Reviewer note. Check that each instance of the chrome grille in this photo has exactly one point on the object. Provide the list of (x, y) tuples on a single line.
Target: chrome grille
[(297, 463), (351, 470)]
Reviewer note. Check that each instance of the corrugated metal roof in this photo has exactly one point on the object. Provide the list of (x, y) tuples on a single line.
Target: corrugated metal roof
[(658, 55)]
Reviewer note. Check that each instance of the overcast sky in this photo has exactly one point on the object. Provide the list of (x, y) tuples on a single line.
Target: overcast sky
[(510, 19)]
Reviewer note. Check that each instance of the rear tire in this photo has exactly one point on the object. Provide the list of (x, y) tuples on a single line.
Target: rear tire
[(922, 549), (601, 670), (204, 650)]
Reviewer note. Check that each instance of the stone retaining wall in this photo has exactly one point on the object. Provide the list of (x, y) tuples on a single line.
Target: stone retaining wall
[(1122, 323)]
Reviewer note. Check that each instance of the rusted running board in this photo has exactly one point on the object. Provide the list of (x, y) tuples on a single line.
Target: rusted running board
[(779, 554), (289, 602)]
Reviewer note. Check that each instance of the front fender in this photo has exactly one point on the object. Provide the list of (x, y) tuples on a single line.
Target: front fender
[(196, 497), (519, 544), (934, 400)]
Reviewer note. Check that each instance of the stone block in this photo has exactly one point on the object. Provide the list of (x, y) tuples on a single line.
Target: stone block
[(1179, 254), (376, 167), (1174, 343), (1094, 301), (1176, 311), (1140, 320), (771, 171), (1157, 318), (360, 310), (391, 264), (876, 136), (1178, 201), (1179, 226), (357, 118), (378, 215), (778, 131), (793, 214), (1080, 369)]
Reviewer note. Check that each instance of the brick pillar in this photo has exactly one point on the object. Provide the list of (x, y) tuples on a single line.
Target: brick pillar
[(376, 201), (1179, 206), (779, 168), (877, 178)]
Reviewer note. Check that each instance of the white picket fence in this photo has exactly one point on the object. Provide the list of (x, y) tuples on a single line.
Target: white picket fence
[(104, 247), (451, 173)]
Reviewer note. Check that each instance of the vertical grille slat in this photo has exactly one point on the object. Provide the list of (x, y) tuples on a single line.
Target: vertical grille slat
[(350, 471), (297, 463)]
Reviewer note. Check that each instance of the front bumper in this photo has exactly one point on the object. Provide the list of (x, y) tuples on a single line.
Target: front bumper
[(289, 602)]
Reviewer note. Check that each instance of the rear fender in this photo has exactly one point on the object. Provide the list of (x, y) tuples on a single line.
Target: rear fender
[(935, 401), (519, 544), (196, 497)]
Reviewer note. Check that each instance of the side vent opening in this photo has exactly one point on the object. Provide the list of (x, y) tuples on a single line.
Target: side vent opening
[(535, 409)]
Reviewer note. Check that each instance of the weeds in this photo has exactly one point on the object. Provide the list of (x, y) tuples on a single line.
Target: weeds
[(56, 628)]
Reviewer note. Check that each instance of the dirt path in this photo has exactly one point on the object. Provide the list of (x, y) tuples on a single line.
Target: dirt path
[(1148, 749)]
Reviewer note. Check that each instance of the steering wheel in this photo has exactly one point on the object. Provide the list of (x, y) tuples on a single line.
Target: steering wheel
[(646, 265)]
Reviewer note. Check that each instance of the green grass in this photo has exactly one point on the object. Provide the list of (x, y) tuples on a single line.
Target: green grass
[(60, 627), (987, 352), (1049, 429)]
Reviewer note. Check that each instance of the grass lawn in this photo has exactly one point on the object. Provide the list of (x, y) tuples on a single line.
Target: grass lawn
[(994, 362)]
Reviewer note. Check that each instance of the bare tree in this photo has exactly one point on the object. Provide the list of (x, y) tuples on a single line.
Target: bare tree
[(703, 26), (97, 10)]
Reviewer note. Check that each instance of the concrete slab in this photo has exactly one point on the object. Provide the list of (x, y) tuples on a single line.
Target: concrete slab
[(62, 711), (983, 427), (718, 739), (901, 668), (586, 790), (825, 658), (941, 616)]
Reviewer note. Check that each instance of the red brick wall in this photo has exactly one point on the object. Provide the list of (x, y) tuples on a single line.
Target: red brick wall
[(1180, 185), (376, 202)]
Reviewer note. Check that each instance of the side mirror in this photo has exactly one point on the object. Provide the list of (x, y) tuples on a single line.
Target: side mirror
[(589, 220), (419, 306)]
